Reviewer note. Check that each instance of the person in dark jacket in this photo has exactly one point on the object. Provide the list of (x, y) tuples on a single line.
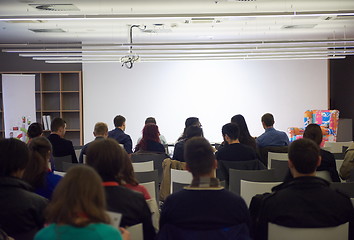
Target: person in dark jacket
[(119, 135), (150, 141), (191, 131), (21, 211)]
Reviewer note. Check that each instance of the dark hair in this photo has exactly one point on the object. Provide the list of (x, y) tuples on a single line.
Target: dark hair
[(34, 130), (194, 131), (56, 124), (304, 154), (244, 135), (150, 120), (118, 121), (150, 133), (268, 119), (199, 156), (106, 156), (191, 121), (100, 128), (39, 152), (314, 132), (231, 130), (127, 175), (13, 156), (79, 193)]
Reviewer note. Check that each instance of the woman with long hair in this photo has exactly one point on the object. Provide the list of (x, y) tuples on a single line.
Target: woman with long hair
[(78, 209), (191, 131), (191, 121), (150, 141), (37, 172), (245, 136)]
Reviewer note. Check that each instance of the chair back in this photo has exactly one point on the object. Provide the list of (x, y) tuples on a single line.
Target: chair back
[(339, 163), (143, 166), (324, 175), (58, 162), (276, 156), (339, 155), (67, 166), (250, 189), (275, 149), (77, 153), (266, 175), (281, 168), (151, 188), (157, 158), (136, 232), (344, 187), (59, 173), (351, 177), (337, 147), (180, 176), (276, 232), (147, 177)]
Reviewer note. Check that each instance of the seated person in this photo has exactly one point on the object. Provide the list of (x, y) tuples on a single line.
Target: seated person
[(204, 205), (348, 163), (119, 135), (191, 131), (61, 147), (37, 172), (150, 141), (245, 136), (191, 121), (303, 202), (153, 120), (234, 150), (21, 210), (34, 130), (107, 158)]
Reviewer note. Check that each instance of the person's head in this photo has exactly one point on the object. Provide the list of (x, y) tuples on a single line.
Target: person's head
[(230, 132), (242, 125), (304, 156), (150, 133), (267, 120), (119, 122), (126, 174), (199, 156), (34, 130), (100, 130), (78, 199), (58, 126), (314, 132), (150, 120), (39, 152), (14, 157), (194, 131), (192, 121), (106, 157)]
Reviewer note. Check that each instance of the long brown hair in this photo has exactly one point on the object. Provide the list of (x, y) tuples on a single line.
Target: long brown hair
[(39, 149), (79, 194), (127, 175)]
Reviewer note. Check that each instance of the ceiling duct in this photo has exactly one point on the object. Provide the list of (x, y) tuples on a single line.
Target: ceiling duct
[(49, 30), (55, 7), (300, 26)]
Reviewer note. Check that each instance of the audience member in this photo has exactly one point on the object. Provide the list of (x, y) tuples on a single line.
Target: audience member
[(34, 130), (191, 121), (348, 163), (77, 210), (100, 132), (204, 205), (244, 136), (234, 150), (153, 120), (107, 157), (37, 172), (61, 147), (21, 211), (191, 131), (271, 136), (150, 141), (303, 202), (119, 135)]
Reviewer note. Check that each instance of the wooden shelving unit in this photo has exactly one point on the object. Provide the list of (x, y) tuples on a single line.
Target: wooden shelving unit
[(59, 94)]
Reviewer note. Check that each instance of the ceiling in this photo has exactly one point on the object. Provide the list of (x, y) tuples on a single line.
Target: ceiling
[(179, 23)]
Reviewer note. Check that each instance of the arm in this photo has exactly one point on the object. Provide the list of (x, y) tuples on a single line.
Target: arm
[(128, 145), (73, 154), (347, 165)]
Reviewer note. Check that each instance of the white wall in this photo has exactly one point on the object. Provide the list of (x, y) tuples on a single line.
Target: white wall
[(214, 91)]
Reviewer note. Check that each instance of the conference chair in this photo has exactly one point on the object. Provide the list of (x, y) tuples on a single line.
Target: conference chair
[(281, 168), (336, 147), (344, 187), (351, 177), (250, 189), (276, 156), (157, 158), (58, 162), (224, 167), (324, 175), (181, 177), (276, 232), (148, 177), (67, 166), (143, 166), (263, 152), (266, 175), (136, 232), (339, 156)]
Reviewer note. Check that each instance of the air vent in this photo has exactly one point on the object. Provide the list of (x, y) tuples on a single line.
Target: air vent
[(340, 17), (55, 7), (50, 30), (26, 21), (300, 26)]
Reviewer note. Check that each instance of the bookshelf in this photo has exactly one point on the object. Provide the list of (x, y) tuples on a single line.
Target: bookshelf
[(58, 94)]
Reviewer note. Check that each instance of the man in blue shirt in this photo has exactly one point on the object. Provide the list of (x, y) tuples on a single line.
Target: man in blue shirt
[(119, 135), (271, 136)]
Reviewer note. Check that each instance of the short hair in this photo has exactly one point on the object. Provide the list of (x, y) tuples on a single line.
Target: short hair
[(192, 121), (14, 156), (304, 154), (150, 120), (199, 156), (194, 131), (80, 191), (118, 121), (100, 128), (56, 124), (268, 119), (232, 130), (106, 156), (314, 132), (35, 130)]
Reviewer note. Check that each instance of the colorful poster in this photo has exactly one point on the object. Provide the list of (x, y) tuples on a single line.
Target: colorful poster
[(19, 103)]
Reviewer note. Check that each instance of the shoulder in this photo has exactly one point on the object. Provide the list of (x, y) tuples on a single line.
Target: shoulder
[(106, 231), (46, 233), (121, 191)]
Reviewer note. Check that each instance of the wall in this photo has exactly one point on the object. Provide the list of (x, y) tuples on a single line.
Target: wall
[(214, 91)]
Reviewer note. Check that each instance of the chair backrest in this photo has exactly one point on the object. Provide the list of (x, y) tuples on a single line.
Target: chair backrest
[(275, 149), (276, 232), (337, 147), (345, 187), (351, 177), (250, 189), (324, 175), (58, 162), (143, 166), (147, 177), (281, 168), (77, 153), (339, 163), (60, 173), (84, 156), (276, 156), (151, 188), (266, 175), (180, 176), (352, 199), (156, 157), (339, 155), (67, 166), (136, 232), (178, 186)]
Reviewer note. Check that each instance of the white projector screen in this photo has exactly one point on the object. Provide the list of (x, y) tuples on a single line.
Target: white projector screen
[(214, 91)]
